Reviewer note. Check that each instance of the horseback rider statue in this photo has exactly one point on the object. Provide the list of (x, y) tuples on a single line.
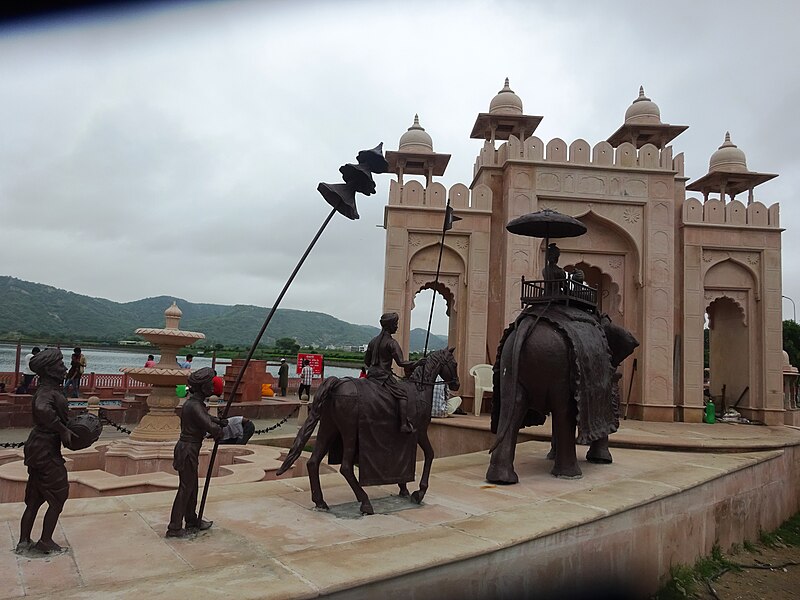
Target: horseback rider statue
[(381, 351)]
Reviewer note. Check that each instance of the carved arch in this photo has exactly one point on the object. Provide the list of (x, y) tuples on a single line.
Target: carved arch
[(590, 215), (715, 261), (711, 296)]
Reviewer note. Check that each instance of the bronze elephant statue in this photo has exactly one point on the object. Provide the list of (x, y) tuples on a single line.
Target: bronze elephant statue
[(562, 361)]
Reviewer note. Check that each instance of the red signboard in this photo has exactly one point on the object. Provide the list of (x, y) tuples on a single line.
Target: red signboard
[(315, 362)]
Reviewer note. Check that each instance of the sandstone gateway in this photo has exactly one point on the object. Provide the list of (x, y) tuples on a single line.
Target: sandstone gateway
[(661, 260)]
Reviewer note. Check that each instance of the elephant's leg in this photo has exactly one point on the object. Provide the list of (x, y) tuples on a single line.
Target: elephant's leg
[(598, 452), (551, 455), (427, 450), (564, 420), (501, 464)]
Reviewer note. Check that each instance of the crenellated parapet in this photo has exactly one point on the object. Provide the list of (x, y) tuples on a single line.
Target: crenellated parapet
[(413, 194), (735, 213), (603, 154)]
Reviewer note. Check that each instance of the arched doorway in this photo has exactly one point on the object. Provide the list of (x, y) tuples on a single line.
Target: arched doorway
[(439, 297), (728, 351), (729, 298)]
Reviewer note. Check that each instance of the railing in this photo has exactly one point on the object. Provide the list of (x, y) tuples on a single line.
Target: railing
[(121, 381), (564, 291), (91, 381)]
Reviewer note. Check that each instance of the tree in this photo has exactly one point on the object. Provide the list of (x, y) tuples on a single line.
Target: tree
[(287, 346), (791, 341)]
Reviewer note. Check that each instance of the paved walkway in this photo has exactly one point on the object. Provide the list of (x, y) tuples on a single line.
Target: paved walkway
[(269, 542)]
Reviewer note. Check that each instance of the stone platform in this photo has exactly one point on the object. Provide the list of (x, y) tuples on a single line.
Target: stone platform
[(623, 524)]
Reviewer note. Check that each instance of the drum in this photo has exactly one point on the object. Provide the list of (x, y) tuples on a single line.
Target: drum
[(86, 429)]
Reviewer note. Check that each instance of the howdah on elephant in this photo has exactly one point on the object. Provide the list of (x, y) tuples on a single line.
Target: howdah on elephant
[(562, 361)]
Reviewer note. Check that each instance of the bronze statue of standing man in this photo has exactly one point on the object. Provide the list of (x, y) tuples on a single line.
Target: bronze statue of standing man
[(195, 424), (47, 475), (381, 351)]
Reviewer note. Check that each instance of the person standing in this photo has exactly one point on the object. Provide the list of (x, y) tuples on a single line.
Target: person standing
[(27, 373), (76, 368), (47, 475), (150, 362), (306, 374), (195, 424), (187, 364), (283, 376)]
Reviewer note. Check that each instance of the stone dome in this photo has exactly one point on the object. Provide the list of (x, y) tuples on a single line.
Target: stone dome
[(728, 157), (506, 102), (416, 139), (173, 316), (173, 311), (643, 110), (786, 362)]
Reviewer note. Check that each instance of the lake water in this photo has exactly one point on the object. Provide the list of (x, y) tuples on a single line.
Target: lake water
[(111, 361)]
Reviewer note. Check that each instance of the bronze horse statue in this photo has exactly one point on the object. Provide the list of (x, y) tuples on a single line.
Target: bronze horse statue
[(560, 361), (358, 424)]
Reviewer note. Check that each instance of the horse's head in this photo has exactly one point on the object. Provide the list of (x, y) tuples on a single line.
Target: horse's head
[(446, 367)]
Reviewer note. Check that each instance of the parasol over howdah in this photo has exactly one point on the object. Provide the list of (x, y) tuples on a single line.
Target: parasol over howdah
[(558, 358)]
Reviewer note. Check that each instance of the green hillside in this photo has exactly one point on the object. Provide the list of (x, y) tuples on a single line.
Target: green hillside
[(35, 310)]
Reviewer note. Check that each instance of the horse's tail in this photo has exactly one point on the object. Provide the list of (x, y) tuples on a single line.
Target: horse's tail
[(314, 412)]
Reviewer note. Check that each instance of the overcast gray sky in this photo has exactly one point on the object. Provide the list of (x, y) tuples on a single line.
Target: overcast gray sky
[(176, 149)]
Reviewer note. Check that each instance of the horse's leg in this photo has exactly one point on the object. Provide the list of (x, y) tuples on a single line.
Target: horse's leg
[(427, 450), (348, 460), (326, 434), (551, 455), (598, 452), (403, 490), (565, 413)]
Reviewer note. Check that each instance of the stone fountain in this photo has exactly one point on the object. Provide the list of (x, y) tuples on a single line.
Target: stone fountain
[(161, 424), (151, 443)]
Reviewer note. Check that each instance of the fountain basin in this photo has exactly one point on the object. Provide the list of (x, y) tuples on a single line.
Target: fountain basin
[(176, 338), (158, 376)]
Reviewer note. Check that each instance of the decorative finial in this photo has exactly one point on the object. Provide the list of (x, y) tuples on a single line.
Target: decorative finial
[(642, 97), (416, 124), (173, 316), (506, 87), (728, 143)]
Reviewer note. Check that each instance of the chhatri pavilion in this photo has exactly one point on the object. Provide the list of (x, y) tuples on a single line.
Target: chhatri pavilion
[(665, 264)]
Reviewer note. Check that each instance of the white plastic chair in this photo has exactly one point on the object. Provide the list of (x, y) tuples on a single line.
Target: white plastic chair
[(483, 383)]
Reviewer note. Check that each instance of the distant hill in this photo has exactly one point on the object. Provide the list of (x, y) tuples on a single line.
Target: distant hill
[(37, 310)]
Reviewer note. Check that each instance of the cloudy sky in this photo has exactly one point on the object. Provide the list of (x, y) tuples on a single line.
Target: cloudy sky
[(176, 148)]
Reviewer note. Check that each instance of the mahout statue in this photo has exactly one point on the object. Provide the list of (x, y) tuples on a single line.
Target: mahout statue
[(47, 475), (558, 360), (196, 422), (359, 422)]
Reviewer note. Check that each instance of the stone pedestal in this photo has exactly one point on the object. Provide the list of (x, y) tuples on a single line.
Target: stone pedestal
[(161, 423), (302, 414)]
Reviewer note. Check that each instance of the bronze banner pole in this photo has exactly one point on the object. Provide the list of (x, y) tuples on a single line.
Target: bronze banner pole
[(250, 355)]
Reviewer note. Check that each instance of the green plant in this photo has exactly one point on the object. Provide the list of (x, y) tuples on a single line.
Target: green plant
[(681, 583)]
